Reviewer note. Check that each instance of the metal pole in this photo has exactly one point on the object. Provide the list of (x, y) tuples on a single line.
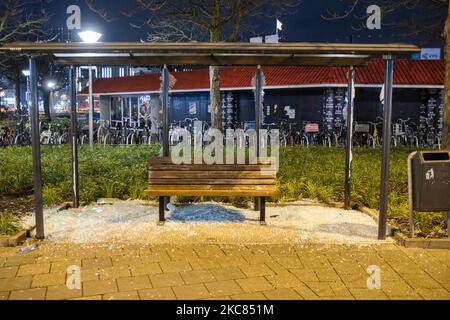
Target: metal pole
[(165, 109), (73, 120), (36, 151), (121, 111), (349, 139), (91, 112), (258, 101), (129, 111), (410, 195), (384, 192), (258, 113)]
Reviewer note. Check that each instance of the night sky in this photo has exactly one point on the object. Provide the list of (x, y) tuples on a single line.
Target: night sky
[(303, 26)]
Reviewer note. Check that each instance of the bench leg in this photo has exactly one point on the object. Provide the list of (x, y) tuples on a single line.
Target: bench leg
[(161, 210), (262, 210), (257, 203)]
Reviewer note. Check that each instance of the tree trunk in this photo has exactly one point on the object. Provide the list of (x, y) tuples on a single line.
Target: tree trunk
[(446, 116), (215, 101)]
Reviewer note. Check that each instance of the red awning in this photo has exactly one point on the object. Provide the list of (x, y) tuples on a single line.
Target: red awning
[(407, 73)]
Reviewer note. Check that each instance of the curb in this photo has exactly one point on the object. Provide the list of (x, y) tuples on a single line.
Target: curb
[(407, 242), (13, 241)]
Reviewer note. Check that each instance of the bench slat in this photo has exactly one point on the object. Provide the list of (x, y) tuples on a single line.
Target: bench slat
[(206, 167), (213, 181), (168, 160), (212, 190), (211, 174)]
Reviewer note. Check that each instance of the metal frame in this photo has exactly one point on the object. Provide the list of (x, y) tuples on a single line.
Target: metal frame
[(387, 119), (110, 54), (349, 139)]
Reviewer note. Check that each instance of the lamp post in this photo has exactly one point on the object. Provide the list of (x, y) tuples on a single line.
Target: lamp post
[(90, 37)]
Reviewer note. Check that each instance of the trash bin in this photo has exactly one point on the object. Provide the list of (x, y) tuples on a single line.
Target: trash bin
[(431, 181)]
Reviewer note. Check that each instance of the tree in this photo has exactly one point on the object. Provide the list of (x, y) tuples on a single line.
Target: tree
[(426, 18), (20, 20), (203, 20)]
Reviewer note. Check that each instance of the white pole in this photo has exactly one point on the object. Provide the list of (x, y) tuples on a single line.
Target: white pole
[(91, 112)]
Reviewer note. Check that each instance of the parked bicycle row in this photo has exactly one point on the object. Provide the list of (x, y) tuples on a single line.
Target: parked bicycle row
[(370, 134)]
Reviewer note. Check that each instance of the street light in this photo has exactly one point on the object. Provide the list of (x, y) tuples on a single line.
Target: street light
[(51, 84), (26, 73), (90, 37)]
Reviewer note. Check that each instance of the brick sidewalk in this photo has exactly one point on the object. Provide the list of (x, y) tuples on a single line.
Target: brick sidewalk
[(212, 271)]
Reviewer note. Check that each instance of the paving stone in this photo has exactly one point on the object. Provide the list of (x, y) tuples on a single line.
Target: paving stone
[(197, 276), (223, 288), (290, 262), (18, 283), (306, 293), (355, 280), (282, 294), (90, 298), (434, 294), (48, 279), (315, 262), (414, 297), (61, 292), (326, 274), (8, 272), (130, 295), (114, 272), (101, 263), (284, 280), (230, 273), (28, 294), (185, 254), (157, 294), (256, 270), (19, 260), (258, 258), (155, 256), (321, 289), (4, 295), (421, 281), (202, 264), (209, 251), (281, 250), (339, 298), (62, 265), (367, 294), (339, 289), (166, 280), (134, 283), (90, 274), (95, 287), (175, 266), (305, 274), (191, 292), (254, 284), (396, 288), (248, 296), (32, 269), (141, 268), (228, 261)]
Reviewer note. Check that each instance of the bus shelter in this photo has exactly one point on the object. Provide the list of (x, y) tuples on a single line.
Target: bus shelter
[(220, 54)]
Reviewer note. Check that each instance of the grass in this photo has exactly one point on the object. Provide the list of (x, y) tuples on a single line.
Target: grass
[(8, 225), (313, 173)]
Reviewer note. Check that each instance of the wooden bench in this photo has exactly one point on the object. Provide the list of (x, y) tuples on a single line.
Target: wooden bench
[(168, 179)]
